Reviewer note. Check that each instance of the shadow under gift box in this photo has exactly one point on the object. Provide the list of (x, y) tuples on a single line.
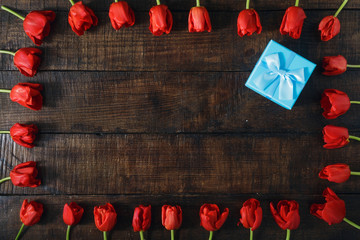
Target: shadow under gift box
[(280, 75)]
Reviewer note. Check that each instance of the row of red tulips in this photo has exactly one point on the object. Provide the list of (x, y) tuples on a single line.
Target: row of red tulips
[(27, 95), (81, 18), (286, 214), (336, 103)]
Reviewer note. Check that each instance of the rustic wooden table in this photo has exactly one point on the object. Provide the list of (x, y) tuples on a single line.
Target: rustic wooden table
[(131, 119)]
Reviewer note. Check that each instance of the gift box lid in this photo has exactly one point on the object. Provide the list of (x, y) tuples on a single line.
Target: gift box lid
[(280, 75)]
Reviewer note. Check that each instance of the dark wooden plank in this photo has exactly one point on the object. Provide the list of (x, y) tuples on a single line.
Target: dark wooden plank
[(135, 49), (110, 102), (51, 225), (224, 5), (176, 164)]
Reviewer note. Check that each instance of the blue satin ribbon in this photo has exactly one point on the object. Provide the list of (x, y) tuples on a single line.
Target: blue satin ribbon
[(276, 78)]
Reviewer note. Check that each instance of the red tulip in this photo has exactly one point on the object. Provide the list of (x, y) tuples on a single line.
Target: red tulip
[(81, 18), (292, 22), (210, 217), (171, 217), (72, 214), (142, 218), (248, 22), (338, 173), (329, 27), (24, 175), (335, 137), (199, 20), (23, 134), (333, 211), (121, 14), (334, 103), (161, 20), (27, 95), (105, 217), (37, 25), (251, 214), (31, 212), (286, 214), (334, 65), (27, 60)]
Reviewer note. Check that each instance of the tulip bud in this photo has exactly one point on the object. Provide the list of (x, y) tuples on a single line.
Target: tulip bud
[(24, 175), (199, 20), (292, 22), (248, 22), (27, 95), (121, 14), (37, 25), (81, 18)]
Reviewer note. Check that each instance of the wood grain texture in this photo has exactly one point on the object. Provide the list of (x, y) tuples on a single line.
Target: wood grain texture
[(135, 49), (178, 164), (111, 102), (131, 119), (51, 225), (174, 5)]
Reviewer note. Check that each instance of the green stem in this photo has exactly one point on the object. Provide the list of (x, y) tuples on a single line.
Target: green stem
[(7, 52), (72, 2), (4, 179), (141, 235), (287, 234), (105, 236), (355, 173), (355, 138), (353, 66), (355, 102), (18, 235), (172, 235), (13, 12), (5, 91), (198, 3), (158, 2), (296, 3), (251, 234), (4, 132), (211, 235), (116, 0), (340, 8), (351, 223), (247, 4), (68, 232)]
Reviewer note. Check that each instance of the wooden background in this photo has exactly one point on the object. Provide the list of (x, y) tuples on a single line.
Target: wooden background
[(131, 119)]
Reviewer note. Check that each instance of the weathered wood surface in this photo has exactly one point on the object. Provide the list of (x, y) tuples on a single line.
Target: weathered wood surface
[(135, 49), (178, 164), (134, 119), (174, 5), (51, 225), (111, 102)]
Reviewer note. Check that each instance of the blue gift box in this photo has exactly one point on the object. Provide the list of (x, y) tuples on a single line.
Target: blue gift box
[(280, 75)]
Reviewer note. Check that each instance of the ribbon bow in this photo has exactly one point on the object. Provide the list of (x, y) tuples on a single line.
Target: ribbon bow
[(277, 78)]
